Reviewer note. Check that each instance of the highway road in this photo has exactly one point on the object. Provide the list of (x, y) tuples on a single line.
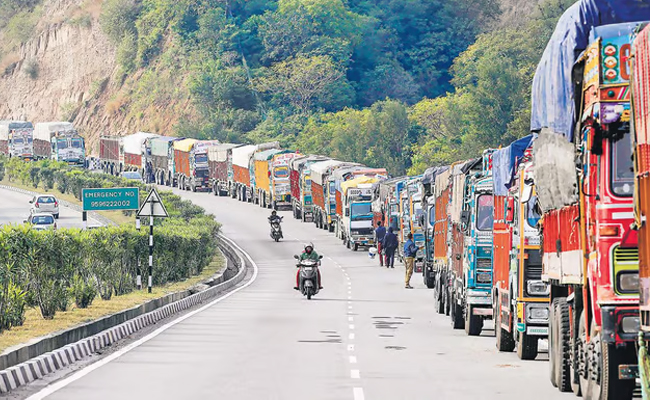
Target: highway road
[(14, 209), (364, 337)]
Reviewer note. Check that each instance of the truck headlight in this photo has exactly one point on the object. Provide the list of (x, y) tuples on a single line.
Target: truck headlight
[(538, 288), (483, 277), (630, 324), (536, 313), (628, 282)]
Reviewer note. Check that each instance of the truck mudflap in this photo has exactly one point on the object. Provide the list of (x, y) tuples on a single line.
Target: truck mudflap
[(620, 324)]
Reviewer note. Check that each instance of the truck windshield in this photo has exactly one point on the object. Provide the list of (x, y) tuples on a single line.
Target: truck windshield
[(361, 209), (484, 212), (201, 173), (77, 143), (201, 158), (281, 172), (18, 141), (62, 144), (622, 172)]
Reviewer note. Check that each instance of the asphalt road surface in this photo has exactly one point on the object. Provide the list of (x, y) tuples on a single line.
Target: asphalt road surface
[(14, 209), (364, 337)]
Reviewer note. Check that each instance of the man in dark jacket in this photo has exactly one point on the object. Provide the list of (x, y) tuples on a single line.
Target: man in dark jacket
[(380, 232), (389, 244)]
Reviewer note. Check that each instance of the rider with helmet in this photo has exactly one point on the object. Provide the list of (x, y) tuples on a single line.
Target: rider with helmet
[(308, 254), (276, 218)]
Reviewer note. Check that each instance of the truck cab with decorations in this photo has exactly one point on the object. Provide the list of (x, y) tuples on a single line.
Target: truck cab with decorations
[(584, 180)]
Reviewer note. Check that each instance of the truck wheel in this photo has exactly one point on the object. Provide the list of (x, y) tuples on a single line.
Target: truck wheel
[(473, 323), (527, 346), (331, 228), (429, 282), (608, 358), (437, 296), (559, 351), (446, 300), (193, 187), (274, 205), (356, 247), (505, 342), (456, 314), (347, 244)]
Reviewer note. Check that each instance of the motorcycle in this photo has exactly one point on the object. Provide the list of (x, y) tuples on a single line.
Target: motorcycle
[(308, 276), (276, 232)]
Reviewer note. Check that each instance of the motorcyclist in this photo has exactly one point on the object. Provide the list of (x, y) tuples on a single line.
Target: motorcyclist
[(276, 218), (308, 254)]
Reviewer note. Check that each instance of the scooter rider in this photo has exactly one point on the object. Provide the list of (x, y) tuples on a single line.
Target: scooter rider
[(308, 254), (276, 218)]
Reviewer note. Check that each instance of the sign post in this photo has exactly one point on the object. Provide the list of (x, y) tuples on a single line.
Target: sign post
[(152, 207)]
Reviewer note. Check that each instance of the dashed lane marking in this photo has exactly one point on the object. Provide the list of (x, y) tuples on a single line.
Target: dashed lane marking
[(353, 359), (355, 374), (358, 394)]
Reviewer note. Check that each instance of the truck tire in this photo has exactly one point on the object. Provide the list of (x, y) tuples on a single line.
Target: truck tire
[(473, 323), (331, 228), (559, 351), (355, 247), (505, 341), (429, 282), (193, 187), (438, 298), (608, 358), (447, 300), (456, 314), (527, 346)]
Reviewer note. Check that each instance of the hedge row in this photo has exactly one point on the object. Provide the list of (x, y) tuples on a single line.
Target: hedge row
[(52, 269)]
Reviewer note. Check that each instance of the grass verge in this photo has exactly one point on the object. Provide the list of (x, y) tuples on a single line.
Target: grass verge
[(116, 216), (35, 326)]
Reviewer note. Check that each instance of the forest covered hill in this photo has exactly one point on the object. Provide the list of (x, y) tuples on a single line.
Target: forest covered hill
[(399, 83)]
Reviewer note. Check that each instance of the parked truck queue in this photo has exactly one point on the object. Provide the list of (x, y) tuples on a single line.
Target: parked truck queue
[(546, 236)]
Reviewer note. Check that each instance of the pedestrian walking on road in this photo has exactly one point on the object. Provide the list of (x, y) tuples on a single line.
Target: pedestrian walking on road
[(389, 244), (410, 251), (380, 233)]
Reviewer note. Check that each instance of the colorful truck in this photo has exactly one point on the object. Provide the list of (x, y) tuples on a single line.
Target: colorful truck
[(357, 217), (133, 151), (428, 222), (520, 297), (111, 154), (324, 206), (191, 167), (585, 184), (280, 180), (242, 183), (262, 173), (334, 191), (17, 139), (219, 159), (159, 156), (59, 141), (300, 177)]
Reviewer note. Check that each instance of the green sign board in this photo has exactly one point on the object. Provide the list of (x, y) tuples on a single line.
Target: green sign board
[(110, 199)]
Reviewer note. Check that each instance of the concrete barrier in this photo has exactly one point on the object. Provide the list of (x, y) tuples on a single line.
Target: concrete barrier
[(33, 361)]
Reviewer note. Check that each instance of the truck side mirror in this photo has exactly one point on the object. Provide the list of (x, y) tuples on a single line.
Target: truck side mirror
[(347, 212), (464, 218), (320, 257), (510, 210)]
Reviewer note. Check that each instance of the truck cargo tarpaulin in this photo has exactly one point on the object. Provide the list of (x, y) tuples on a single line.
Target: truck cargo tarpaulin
[(553, 104), (504, 163)]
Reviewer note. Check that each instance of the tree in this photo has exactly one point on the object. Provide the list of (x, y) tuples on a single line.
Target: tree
[(301, 81)]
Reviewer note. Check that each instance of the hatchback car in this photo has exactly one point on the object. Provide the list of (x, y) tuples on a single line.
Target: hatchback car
[(42, 221), (45, 204)]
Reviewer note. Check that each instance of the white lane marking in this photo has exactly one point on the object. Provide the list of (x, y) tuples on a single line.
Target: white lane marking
[(354, 374), (358, 393), (353, 359), (85, 371), (351, 336), (351, 327), (351, 319), (350, 347)]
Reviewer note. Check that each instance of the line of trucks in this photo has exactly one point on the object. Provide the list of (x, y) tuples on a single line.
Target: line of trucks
[(547, 236), (57, 141)]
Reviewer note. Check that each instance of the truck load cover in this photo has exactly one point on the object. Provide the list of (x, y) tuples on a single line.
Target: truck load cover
[(241, 155), (219, 153), (133, 143), (6, 126), (318, 170), (262, 168), (504, 162), (553, 105), (360, 180), (184, 145), (44, 130), (160, 145)]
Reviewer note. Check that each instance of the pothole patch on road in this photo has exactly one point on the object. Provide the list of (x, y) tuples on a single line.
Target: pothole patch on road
[(395, 348), (330, 337), (507, 366)]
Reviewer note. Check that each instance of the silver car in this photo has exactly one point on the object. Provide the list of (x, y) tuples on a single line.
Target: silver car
[(42, 221), (45, 204)]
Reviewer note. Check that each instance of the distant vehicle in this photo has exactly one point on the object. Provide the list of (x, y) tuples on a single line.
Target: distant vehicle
[(133, 176), (41, 222), (45, 204)]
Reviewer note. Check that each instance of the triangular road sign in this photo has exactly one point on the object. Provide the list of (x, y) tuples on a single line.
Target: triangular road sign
[(152, 206)]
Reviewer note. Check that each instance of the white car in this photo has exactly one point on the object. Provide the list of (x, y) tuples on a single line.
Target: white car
[(42, 221), (45, 204)]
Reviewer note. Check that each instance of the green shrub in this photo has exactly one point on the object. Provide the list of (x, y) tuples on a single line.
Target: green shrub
[(82, 292)]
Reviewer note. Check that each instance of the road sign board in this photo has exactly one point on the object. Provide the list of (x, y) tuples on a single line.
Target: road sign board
[(110, 199), (152, 206)]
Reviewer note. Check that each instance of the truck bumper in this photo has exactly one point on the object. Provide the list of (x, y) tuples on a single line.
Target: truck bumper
[(479, 299), (620, 324), (362, 241)]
